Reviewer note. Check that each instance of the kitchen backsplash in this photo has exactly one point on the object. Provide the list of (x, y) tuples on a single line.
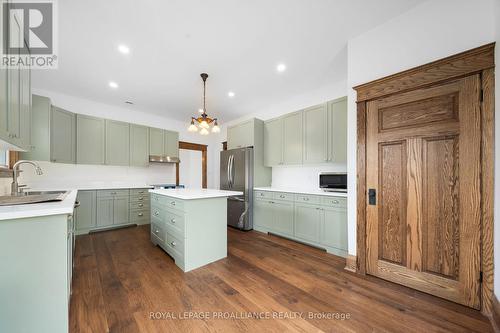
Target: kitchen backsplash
[(74, 175), (302, 177)]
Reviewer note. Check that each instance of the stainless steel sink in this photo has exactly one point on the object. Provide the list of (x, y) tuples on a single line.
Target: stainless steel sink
[(33, 197)]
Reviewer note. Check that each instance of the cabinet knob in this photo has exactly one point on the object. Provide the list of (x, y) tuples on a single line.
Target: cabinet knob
[(157, 213), (140, 214), (141, 192), (173, 203), (282, 196), (172, 220), (157, 231), (306, 199), (335, 201), (140, 198), (141, 205), (173, 243)]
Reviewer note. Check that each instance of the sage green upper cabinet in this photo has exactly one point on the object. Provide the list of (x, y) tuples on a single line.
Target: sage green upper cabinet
[(62, 136), (14, 87), (117, 143), (25, 109), (315, 134), (4, 135), (292, 138), (273, 142), (241, 135), (156, 141), (40, 130), (90, 140), (139, 145), (337, 130), (171, 144)]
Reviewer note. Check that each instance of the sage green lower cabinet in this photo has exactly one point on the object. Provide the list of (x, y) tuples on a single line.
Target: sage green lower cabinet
[(40, 130), (85, 214), (36, 273), (320, 221), (90, 140), (112, 207), (307, 222), (62, 136), (117, 143), (193, 232), (293, 138), (139, 145)]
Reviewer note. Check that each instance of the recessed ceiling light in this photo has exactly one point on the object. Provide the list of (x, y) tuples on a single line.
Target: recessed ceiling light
[(230, 94), (124, 49), (129, 102), (281, 68), (113, 84)]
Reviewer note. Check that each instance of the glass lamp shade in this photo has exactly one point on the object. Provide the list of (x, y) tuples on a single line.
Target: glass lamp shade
[(204, 131), (192, 128), (216, 129)]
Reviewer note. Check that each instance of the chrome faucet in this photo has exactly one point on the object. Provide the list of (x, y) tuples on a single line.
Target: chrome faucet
[(15, 186)]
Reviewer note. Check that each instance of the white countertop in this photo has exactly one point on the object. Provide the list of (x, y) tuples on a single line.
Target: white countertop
[(301, 191), (89, 186), (40, 209), (190, 194)]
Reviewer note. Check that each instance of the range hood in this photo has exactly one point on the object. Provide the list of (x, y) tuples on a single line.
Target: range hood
[(163, 159)]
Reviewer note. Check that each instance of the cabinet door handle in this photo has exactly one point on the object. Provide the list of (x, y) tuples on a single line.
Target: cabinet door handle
[(335, 201), (173, 244), (141, 192), (141, 205), (172, 220), (306, 199), (157, 213), (157, 231), (140, 198), (173, 203), (140, 214), (282, 196)]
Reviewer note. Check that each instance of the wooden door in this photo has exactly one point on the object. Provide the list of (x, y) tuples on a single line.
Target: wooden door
[(423, 161)]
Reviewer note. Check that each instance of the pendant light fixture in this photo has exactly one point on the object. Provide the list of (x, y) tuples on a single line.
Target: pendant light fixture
[(203, 122)]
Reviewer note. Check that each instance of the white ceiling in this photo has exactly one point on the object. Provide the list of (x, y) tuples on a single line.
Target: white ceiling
[(237, 42)]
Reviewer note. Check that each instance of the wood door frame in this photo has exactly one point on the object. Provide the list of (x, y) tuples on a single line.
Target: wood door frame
[(196, 147), (476, 61)]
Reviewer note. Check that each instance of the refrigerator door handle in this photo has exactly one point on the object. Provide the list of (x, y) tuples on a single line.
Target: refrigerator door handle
[(236, 199), (232, 171), (227, 174)]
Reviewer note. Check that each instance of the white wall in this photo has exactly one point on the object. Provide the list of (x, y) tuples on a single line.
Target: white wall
[(303, 177), (70, 174), (432, 30), (496, 237)]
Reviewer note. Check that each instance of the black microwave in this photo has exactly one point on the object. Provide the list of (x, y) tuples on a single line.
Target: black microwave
[(333, 181)]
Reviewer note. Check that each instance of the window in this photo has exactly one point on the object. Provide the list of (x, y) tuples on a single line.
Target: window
[(4, 160)]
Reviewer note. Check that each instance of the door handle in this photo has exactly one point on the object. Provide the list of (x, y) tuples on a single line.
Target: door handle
[(372, 197), (232, 170), (227, 173)]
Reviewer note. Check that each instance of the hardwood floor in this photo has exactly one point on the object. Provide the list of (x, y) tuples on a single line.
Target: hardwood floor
[(121, 280)]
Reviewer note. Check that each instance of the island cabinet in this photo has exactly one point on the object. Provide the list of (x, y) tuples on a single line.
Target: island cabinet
[(318, 220), (192, 231)]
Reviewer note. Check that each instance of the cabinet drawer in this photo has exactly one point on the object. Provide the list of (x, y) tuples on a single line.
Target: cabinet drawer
[(306, 198), (158, 232), (141, 216), (158, 199), (139, 198), (112, 193), (175, 222), (263, 194), (283, 196), (175, 245), (139, 204), (139, 191), (157, 213), (174, 203), (334, 202)]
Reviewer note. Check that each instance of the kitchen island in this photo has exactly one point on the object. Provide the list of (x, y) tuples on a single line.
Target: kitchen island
[(190, 224)]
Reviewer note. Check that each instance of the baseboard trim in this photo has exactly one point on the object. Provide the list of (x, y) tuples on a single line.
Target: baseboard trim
[(495, 314), (350, 264)]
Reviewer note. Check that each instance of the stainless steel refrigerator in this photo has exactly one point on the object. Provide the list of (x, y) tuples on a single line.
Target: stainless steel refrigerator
[(236, 174)]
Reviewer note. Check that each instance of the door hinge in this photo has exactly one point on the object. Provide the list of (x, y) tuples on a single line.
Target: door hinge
[(480, 277)]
